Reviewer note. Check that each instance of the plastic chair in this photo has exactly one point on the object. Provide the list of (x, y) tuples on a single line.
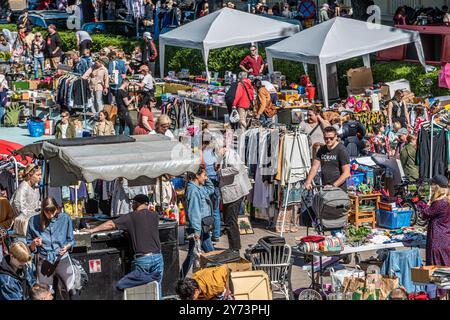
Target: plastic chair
[(275, 260), (149, 291)]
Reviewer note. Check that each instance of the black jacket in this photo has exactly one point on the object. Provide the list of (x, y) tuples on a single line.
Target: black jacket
[(53, 42)]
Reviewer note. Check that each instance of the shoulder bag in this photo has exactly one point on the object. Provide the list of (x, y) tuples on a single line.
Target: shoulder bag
[(208, 221)]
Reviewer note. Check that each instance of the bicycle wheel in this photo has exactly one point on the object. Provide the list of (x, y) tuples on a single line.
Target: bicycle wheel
[(310, 294), (411, 206)]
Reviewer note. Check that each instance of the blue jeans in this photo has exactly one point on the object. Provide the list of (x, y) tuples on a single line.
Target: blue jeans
[(38, 62), (207, 246), (2, 113), (215, 199), (153, 263)]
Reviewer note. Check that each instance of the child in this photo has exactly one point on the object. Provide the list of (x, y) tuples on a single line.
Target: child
[(41, 291)]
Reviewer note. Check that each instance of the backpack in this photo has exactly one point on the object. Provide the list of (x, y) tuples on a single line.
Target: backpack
[(331, 207), (231, 95)]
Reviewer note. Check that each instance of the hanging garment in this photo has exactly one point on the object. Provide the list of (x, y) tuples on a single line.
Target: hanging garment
[(296, 158), (122, 195), (400, 263), (262, 192), (440, 152), (7, 181), (295, 194)]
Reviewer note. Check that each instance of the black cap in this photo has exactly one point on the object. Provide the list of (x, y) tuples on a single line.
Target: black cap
[(141, 198), (440, 180)]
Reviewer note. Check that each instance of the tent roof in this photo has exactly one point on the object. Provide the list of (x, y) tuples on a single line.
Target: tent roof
[(227, 27), (150, 156), (340, 39)]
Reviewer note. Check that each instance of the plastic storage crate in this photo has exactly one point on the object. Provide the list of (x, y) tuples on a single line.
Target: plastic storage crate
[(394, 220), (356, 179)]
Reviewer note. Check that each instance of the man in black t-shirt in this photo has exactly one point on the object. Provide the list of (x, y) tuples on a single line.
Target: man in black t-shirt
[(142, 228), (334, 161)]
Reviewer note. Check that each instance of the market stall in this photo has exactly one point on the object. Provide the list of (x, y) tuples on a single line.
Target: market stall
[(140, 160), (223, 28), (340, 39)]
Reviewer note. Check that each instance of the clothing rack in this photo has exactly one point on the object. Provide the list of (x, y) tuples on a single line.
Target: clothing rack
[(78, 76), (431, 144), (16, 166), (298, 131)]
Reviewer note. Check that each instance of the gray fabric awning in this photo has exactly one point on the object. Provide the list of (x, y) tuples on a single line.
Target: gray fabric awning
[(150, 156)]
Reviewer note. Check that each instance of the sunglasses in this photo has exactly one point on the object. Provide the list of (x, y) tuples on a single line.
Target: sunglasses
[(328, 138)]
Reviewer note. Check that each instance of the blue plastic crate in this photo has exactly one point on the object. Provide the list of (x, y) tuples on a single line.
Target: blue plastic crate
[(394, 220), (356, 179)]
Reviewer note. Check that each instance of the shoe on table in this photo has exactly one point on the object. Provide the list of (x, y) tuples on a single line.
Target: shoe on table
[(215, 239)]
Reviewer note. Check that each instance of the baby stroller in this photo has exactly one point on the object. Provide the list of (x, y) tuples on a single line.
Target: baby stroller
[(328, 211)]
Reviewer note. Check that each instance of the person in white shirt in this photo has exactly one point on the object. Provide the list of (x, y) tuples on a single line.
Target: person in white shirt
[(162, 126), (84, 41), (146, 85)]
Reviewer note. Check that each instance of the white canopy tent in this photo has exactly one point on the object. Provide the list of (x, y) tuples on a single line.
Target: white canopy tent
[(223, 28), (340, 39)]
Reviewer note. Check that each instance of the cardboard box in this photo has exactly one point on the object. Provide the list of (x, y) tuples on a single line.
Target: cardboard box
[(387, 206), (242, 265), (287, 94), (360, 77), (393, 86), (357, 91), (34, 84), (422, 274)]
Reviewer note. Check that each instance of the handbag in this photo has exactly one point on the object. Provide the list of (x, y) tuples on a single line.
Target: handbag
[(208, 221), (114, 76), (207, 224), (234, 116)]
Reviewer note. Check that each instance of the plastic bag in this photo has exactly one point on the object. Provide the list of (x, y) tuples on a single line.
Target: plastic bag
[(81, 277), (338, 277)]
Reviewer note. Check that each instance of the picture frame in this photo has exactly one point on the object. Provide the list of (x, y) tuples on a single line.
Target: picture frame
[(245, 227)]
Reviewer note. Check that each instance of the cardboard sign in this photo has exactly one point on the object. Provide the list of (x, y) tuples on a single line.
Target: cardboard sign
[(95, 266), (17, 5)]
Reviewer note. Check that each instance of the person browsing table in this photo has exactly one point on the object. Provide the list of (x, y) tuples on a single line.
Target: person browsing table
[(142, 228)]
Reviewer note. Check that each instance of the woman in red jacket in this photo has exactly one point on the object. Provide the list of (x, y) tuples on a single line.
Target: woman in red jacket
[(244, 98)]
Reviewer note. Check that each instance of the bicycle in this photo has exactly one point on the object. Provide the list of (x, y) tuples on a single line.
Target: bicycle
[(412, 200)]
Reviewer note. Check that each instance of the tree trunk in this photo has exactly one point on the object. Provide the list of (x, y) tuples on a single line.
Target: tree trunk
[(360, 8)]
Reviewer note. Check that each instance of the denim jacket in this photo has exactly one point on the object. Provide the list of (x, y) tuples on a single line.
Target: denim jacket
[(58, 234), (198, 204), (14, 286)]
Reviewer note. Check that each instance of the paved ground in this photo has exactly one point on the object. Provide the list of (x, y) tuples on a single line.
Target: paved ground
[(299, 277)]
